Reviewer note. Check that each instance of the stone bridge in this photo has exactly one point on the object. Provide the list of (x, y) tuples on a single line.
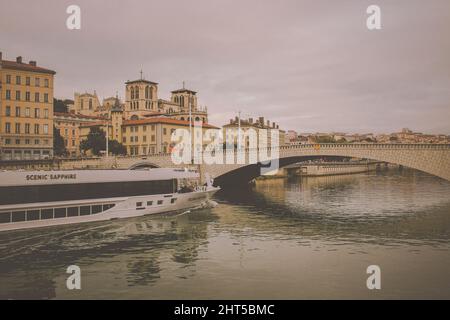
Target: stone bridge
[(431, 158)]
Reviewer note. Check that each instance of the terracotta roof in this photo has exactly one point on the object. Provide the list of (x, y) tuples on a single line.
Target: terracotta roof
[(6, 64), (95, 124), (164, 120), (75, 115)]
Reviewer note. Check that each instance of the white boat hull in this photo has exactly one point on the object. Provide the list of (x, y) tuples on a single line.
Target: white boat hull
[(125, 207)]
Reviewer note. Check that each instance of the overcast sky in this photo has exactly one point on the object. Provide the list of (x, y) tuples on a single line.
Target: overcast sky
[(309, 65)]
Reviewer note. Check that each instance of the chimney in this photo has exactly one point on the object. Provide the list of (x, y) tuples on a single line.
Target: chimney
[(1, 56), (250, 120), (268, 123), (19, 59), (32, 63), (261, 121), (273, 125), (278, 127)]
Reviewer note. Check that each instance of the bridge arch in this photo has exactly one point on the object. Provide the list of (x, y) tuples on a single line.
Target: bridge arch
[(432, 159)]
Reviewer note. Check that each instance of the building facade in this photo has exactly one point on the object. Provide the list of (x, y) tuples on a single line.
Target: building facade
[(231, 132), (69, 125), (86, 103), (26, 110)]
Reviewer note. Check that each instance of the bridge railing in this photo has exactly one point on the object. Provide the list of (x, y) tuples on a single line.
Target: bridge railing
[(317, 146)]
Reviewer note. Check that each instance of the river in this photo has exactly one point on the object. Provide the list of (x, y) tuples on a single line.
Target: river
[(309, 238)]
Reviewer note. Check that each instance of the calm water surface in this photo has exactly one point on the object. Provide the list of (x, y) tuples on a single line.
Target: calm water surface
[(281, 239)]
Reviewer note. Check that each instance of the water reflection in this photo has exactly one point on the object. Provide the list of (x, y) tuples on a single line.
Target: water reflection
[(279, 239), (43, 253)]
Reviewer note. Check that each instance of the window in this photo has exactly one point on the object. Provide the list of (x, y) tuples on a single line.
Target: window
[(18, 216), (160, 202), (45, 97), (173, 200), (46, 113), (145, 138), (27, 128), (85, 210), (46, 214), (17, 111), (37, 113), (153, 138), (5, 217), (8, 95), (18, 142), (17, 127), (27, 96), (45, 128), (8, 111), (36, 128), (8, 127), (149, 203), (165, 131), (72, 211), (66, 131), (90, 104), (27, 141), (18, 80), (27, 81), (7, 141), (8, 78), (32, 215), (45, 142), (18, 95), (27, 112), (36, 141), (60, 212), (96, 209), (36, 97), (124, 140), (46, 83), (138, 204), (37, 82)]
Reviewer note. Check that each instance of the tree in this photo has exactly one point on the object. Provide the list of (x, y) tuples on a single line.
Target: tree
[(59, 147), (96, 143), (60, 106)]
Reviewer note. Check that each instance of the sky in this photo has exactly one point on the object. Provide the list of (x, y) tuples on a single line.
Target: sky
[(311, 66)]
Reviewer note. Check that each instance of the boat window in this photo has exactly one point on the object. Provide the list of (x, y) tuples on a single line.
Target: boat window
[(60, 212), (149, 203), (5, 217), (160, 202), (173, 200), (62, 192), (72, 211), (108, 206), (138, 204), (85, 210), (32, 215), (18, 216), (96, 209), (46, 214)]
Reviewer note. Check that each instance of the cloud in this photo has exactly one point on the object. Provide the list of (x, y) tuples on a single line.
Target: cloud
[(308, 65)]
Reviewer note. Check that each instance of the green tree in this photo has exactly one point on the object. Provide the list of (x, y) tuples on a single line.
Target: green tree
[(96, 143), (60, 105), (59, 147)]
